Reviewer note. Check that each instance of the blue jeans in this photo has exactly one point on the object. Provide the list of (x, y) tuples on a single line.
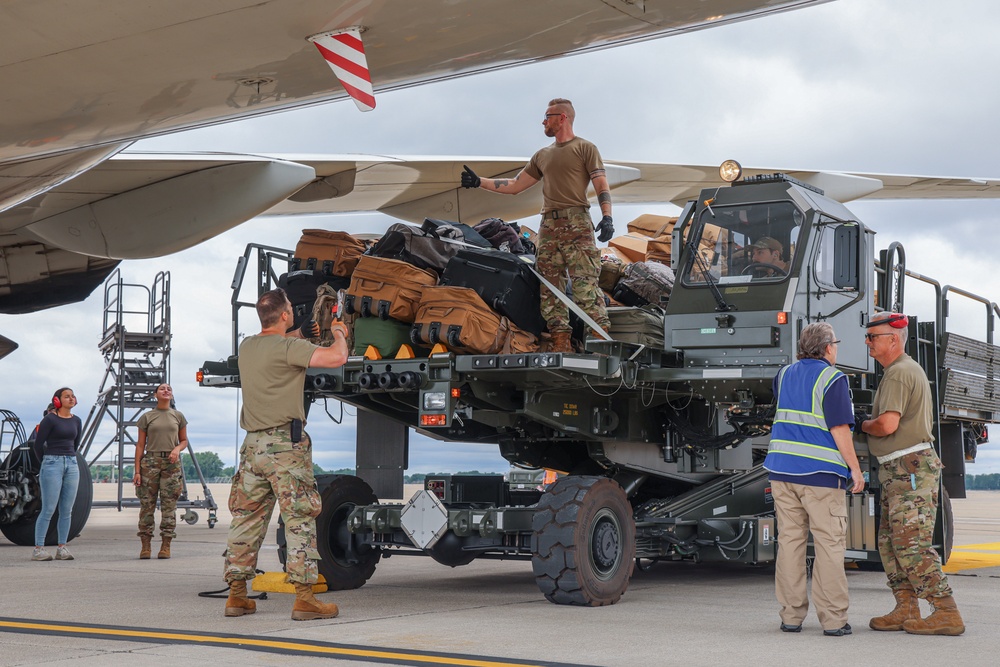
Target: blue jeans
[(59, 478)]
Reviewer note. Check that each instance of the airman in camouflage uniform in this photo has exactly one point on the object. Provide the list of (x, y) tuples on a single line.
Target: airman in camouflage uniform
[(900, 437), (158, 471), (276, 458), (566, 237)]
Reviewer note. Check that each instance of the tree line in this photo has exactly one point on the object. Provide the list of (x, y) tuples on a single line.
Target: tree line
[(989, 482)]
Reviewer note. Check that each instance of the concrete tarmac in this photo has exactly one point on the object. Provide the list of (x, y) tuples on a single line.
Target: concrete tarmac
[(106, 607)]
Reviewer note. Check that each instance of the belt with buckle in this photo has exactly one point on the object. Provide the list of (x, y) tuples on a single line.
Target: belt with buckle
[(162, 455), (562, 212), (903, 452)]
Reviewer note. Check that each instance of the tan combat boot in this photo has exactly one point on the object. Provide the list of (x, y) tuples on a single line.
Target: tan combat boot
[(307, 607), (146, 549), (561, 342), (238, 603), (944, 621), (164, 548), (907, 607)]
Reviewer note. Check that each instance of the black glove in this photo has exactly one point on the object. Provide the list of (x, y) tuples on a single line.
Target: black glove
[(469, 178), (860, 416), (605, 229), (310, 329)]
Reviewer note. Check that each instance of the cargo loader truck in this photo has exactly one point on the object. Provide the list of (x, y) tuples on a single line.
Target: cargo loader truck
[(659, 447)]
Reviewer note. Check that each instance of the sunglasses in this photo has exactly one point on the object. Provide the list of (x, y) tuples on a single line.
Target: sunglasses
[(870, 336)]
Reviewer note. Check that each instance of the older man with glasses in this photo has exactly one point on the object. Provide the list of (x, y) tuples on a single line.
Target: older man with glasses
[(812, 462), (900, 437)]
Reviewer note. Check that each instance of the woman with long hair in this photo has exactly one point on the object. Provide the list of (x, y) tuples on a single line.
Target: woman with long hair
[(57, 441), (158, 474)]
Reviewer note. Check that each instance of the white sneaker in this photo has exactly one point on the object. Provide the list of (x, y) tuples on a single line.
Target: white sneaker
[(40, 554), (62, 553)]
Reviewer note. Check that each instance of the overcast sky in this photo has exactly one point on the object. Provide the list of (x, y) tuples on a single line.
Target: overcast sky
[(887, 86)]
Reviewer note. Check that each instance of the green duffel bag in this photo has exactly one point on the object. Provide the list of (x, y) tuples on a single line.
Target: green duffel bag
[(387, 336), (637, 325)]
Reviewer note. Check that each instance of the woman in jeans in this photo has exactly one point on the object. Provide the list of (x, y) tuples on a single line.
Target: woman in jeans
[(58, 440)]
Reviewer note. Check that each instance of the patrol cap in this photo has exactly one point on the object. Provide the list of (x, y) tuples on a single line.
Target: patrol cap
[(768, 243)]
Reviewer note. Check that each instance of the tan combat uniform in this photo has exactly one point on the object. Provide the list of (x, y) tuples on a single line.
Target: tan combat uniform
[(910, 482), (272, 467), (159, 478)]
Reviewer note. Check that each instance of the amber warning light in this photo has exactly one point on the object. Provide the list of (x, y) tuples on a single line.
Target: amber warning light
[(199, 376), (433, 420), (782, 318)]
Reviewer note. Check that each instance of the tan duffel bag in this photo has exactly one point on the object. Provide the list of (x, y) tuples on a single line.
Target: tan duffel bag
[(458, 318), (333, 253), (387, 288)]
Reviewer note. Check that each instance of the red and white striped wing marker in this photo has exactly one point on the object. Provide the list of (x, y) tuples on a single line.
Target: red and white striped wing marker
[(345, 54)]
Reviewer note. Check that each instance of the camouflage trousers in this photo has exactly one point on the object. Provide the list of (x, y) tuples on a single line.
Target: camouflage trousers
[(159, 479), (906, 531), (566, 246), (271, 469)]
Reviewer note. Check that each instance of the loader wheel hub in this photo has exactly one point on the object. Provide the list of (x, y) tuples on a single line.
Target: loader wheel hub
[(606, 544)]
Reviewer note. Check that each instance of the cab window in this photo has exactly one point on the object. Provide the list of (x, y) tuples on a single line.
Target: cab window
[(750, 243)]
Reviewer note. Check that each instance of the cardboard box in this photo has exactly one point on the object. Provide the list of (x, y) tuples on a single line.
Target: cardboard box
[(651, 225), (611, 250), (633, 246)]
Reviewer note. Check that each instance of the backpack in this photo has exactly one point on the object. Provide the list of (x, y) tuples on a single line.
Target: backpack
[(645, 281), (501, 235)]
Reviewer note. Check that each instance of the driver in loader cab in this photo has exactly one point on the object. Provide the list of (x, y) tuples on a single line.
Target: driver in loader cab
[(766, 253)]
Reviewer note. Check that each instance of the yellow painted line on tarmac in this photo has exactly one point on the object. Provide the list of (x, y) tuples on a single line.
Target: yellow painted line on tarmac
[(289, 647), (973, 556)]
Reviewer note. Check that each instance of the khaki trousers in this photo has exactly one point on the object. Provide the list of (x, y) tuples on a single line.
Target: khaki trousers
[(800, 510)]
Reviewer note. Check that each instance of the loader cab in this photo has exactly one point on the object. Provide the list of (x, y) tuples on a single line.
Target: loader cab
[(760, 260), (744, 244)]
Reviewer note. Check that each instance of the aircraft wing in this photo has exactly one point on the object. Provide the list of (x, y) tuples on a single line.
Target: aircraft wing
[(81, 73), (58, 246), (84, 79), (680, 183)]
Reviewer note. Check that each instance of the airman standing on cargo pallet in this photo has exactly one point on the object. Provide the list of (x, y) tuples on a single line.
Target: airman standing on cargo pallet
[(900, 437), (276, 457), (565, 237)]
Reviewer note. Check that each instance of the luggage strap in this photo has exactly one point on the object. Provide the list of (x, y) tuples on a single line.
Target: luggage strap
[(569, 303)]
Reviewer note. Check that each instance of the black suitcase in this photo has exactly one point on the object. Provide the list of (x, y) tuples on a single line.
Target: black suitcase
[(300, 286), (624, 295), (415, 246), (503, 280)]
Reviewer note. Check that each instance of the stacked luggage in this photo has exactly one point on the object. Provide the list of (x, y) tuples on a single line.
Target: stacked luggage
[(471, 290), (487, 301)]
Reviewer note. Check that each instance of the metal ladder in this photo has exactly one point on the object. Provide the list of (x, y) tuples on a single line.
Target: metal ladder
[(135, 344)]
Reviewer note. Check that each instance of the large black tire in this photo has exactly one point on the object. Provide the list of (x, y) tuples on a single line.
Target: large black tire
[(344, 566), (583, 542), (22, 531)]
